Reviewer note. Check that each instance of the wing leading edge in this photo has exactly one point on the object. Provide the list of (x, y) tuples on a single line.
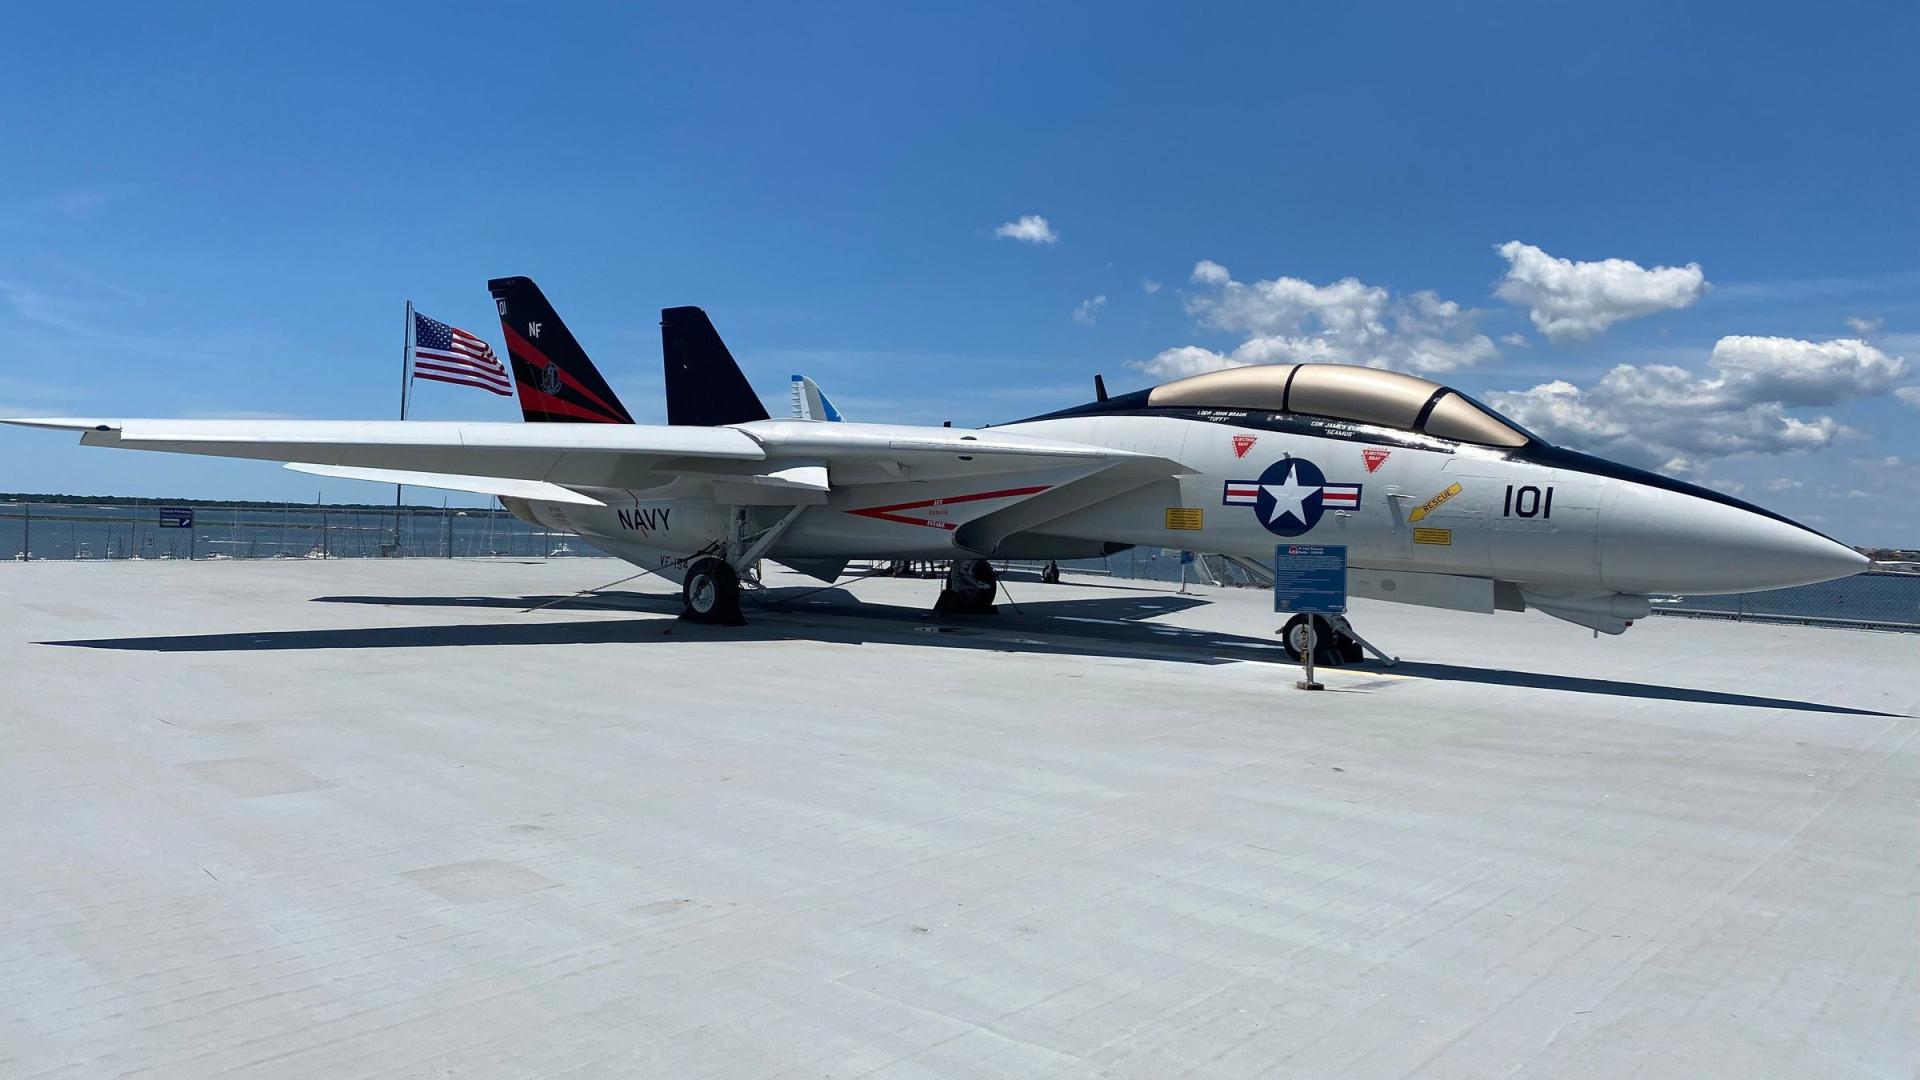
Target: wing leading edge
[(610, 456)]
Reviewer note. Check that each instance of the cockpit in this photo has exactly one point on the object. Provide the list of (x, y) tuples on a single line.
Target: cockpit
[(1344, 392), (1358, 395)]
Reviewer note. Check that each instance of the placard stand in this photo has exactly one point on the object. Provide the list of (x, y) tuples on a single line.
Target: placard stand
[(1310, 580)]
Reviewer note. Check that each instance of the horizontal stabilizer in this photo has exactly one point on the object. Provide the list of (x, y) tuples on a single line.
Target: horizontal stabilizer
[(479, 485)]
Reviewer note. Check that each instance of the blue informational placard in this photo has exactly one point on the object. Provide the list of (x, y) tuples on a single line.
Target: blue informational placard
[(176, 517), (1186, 558), (1310, 578)]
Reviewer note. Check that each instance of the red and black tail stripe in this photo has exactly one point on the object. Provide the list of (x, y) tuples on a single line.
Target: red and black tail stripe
[(556, 381)]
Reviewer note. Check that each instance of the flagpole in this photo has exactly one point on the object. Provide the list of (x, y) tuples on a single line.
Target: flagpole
[(406, 359), (406, 382)]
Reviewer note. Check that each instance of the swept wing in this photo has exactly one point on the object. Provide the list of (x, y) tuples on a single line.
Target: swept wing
[(769, 453)]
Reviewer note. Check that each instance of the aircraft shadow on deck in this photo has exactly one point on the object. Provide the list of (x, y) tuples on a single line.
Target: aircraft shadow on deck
[(1580, 685), (1113, 627)]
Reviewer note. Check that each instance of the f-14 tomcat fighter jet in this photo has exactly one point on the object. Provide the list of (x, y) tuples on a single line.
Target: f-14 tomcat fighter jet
[(1440, 500)]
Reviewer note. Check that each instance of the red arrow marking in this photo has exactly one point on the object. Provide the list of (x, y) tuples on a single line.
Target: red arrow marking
[(891, 513)]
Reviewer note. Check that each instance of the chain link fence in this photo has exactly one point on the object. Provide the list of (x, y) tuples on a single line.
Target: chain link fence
[(1875, 600), (34, 529)]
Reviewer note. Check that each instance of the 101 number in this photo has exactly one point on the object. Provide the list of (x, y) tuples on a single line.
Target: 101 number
[(1528, 501)]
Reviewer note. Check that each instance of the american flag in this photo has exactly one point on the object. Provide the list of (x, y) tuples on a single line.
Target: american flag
[(451, 355)]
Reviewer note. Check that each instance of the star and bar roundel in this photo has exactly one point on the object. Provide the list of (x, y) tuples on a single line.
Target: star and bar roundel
[(1290, 497)]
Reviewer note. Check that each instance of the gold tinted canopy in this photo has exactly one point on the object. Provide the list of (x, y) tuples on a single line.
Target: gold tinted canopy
[(1343, 392)]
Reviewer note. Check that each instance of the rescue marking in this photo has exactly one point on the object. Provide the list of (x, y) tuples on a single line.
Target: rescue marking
[(1373, 459), (1243, 443), (1420, 512), (1443, 537), (1185, 517)]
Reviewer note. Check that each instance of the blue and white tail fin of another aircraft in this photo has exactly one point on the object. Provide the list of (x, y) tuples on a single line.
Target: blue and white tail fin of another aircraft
[(810, 404)]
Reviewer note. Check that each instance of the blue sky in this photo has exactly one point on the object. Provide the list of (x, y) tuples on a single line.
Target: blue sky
[(219, 211)]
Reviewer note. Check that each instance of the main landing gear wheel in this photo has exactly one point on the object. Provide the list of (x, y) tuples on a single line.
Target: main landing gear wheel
[(712, 594), (970, 588), (1331, 647)]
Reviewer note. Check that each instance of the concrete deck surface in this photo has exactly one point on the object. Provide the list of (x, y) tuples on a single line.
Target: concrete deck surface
[(344, 819)]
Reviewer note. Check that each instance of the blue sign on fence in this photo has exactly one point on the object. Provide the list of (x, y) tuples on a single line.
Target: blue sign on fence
[(1310, 578), (1186, 558), (176, 517)]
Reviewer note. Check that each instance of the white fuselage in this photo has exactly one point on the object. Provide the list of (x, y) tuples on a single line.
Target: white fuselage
[(1400, 503)]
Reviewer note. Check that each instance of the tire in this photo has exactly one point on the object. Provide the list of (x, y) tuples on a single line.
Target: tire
[(977, 597), (1329, 647), (989, 581), (1293, 637), (711, 593)]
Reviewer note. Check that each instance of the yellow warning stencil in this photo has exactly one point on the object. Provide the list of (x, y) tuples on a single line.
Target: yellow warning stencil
[(1428, 507)]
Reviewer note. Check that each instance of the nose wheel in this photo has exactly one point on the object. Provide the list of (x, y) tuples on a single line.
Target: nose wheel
[(711, 593), (1334, 642)]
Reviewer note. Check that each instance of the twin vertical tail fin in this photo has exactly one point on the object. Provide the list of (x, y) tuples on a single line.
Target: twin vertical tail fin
[(558, 384), (704, 386), (556, 381)]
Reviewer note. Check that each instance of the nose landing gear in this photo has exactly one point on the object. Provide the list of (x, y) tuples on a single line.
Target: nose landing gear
[(1331, 648), (1334, 641)]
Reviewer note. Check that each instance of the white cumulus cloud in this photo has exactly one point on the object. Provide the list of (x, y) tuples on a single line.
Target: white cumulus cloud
[(1909, 395), (1571, 301), (1288, 320), (1796, 372), (1185, 360), (1028, 229), (1089, 310), (1208, 272), (1670, 417)]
